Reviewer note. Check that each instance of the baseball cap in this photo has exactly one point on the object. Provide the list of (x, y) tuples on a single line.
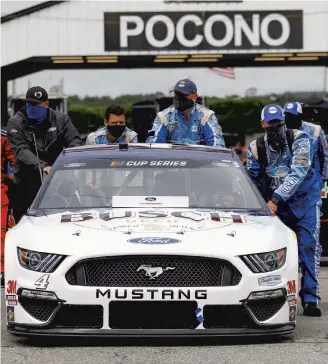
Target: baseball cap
[(293, 108), (186, 87), (272, 112), (36, 94)]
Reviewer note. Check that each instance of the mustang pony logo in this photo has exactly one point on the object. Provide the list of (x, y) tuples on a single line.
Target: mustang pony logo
[(153, 272)]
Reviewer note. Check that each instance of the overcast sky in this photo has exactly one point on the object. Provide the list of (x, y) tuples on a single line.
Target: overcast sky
[(117, 82)]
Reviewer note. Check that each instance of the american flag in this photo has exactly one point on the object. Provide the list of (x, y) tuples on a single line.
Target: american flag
[(227, 72)]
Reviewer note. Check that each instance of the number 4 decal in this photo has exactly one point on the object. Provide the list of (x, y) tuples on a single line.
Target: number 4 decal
[(42, 282)]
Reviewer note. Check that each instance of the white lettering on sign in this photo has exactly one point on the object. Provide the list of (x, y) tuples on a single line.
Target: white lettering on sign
[(125, 32), (180, 31), (265, 30), (169, 31), (253, 34), (235, 28), (209, 33)]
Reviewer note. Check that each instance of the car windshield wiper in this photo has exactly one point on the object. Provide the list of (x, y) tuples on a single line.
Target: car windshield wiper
[(36, 213)]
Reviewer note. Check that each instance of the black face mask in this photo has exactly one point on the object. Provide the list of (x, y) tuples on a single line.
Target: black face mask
[(116, 130), (276, 136), (181, 103), (293, 121)]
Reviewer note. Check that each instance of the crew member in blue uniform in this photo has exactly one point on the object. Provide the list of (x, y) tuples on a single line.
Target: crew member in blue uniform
[(186, 122), (115, 130), (290, 186)]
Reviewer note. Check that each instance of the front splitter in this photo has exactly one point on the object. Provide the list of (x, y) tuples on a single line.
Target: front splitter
[(267, 331)]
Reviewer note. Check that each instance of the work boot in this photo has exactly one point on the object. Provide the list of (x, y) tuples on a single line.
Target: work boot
[(2, 275), (311, 309)]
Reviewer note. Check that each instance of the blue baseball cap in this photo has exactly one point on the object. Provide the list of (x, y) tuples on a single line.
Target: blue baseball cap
[(272, 112), (293, 108), (186, 87)]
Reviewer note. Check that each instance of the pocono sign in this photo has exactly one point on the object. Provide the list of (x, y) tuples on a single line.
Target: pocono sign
[(204, 30)]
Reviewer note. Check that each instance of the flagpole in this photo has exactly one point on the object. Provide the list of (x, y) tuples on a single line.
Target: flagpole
[(325, 82)]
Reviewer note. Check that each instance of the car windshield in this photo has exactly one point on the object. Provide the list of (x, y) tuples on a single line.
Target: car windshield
[(103, 183)]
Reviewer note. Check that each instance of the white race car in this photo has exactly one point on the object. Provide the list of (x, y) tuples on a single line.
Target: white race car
[(150, 240)]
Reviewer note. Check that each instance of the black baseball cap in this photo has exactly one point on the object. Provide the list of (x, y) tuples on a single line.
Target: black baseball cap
[(37, 95)]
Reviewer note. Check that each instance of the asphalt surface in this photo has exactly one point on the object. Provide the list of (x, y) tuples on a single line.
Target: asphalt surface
[(309, 344)]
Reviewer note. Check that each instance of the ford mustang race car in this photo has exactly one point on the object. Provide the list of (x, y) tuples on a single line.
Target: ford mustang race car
[(165, 240)]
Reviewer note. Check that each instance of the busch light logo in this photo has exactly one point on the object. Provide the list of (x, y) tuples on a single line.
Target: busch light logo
[(154, 241), (150, 199)]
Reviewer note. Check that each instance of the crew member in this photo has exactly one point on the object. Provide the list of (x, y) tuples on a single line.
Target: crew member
[(39, 126), (279, 163), (293, 118), (115, 130), (7, 157), (186, 122)]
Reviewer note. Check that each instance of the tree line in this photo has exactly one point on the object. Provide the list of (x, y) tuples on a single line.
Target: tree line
[(236, 114)]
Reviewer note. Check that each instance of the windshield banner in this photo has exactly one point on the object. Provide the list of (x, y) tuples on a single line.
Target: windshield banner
[(158, 201)]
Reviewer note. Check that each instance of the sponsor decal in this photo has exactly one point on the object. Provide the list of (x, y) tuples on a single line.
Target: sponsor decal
[(292, 313), (10, 313), (324, 191), (152, 294), (152, 240), (42, 282), (289, 185), (291, 297), (303, 150), (150, 199), (303, 162), (199, 316), (153, 272), (194, 128), (203, 30), (272, 110), (117, 164), (74, 165), (149, 163), (292, 302), (270, 281), (11, 287), (195, 216), (11, 299), (218, 164), (291, 287)]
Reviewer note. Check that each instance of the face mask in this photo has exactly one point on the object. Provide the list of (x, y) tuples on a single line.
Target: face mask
[(116, 130), (293, 121), (181, 103), (276, 136), (36, 113)]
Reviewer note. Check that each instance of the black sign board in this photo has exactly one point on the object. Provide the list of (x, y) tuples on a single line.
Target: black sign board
[(178, 31)]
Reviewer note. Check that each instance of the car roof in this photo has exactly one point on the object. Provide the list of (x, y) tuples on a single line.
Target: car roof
[(144, 150)]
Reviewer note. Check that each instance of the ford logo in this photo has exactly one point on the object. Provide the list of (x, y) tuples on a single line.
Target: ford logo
[(150, 199), (154, 241)]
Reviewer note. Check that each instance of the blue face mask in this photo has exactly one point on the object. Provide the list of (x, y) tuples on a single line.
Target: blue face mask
[(37, 113)]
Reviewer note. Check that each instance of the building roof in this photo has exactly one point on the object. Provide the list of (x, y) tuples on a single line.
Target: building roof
[(29, 10)]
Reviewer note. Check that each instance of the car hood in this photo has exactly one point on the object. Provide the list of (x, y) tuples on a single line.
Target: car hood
[(128, 231)]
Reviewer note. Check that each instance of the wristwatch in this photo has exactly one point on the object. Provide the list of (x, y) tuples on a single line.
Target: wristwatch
[(275, 200)]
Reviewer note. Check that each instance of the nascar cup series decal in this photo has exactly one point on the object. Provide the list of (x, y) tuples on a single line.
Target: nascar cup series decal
[(154, 220)]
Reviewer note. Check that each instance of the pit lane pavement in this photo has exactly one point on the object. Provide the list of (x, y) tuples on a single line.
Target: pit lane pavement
[(308, 344)]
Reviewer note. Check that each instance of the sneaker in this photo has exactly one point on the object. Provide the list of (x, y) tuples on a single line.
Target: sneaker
[(311, 309), (2, 279)]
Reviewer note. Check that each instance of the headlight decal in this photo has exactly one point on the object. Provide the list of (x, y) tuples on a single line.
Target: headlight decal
[(38, 261), (265, 262)]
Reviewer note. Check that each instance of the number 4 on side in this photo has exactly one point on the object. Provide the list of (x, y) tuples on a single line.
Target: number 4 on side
[(42, 282)]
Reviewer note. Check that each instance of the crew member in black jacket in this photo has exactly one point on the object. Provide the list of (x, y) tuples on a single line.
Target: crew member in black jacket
[(51, 130)]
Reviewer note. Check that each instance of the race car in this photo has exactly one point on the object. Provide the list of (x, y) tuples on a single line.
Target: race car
[(150, 240)]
